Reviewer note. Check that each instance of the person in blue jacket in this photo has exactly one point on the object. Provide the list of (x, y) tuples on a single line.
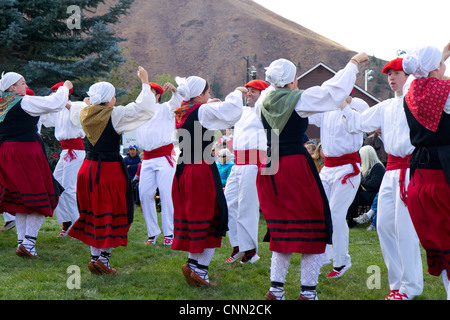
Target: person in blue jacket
[(224, 164), (132, 161)]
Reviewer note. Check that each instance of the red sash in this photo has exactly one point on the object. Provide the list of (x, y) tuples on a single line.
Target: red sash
[(395, 163), (252, 156), (165, 151), (350, 158), (70, 145)]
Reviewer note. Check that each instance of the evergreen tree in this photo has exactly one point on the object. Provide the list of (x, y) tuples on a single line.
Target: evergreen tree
[(51, 41)]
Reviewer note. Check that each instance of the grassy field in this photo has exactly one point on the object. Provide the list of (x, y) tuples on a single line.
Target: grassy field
[(153, 272)]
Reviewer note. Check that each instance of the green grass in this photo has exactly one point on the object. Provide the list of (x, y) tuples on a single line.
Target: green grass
[(153, 272)]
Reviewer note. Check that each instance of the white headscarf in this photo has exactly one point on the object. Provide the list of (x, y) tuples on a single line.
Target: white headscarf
[(359, 105), (101, 92), (421, 61), (8, 79), (190, 87), (280, 72)]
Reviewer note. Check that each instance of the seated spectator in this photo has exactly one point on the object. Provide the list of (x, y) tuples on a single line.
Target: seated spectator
[(372, 172), (224, 165)]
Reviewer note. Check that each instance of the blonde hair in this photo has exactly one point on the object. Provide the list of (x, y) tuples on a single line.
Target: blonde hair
[(368, 159)]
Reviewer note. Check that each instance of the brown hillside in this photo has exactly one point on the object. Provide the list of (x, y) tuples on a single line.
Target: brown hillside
[(211, 38)]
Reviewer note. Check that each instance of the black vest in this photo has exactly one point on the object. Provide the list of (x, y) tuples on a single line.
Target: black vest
[(193, 148), (109, 141), (290, 141), (432, 148), (19, 125)]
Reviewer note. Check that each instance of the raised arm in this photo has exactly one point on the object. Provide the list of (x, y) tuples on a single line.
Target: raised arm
[(135, 114), (37, 106), (222, 115), (332, 92)]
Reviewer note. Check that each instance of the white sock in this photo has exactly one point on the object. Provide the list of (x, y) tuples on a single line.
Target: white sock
[(370, 213)]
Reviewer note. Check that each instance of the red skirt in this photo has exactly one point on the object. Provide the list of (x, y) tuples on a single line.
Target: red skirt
[(103, 221), (196, 209), (429, 207), (25, 179), (292, 205)]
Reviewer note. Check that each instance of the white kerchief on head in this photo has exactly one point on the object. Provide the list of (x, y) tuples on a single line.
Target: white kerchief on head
[(190, 87), (8, 79), (101, 92), (421, 61), (359, 105), (280, 72)]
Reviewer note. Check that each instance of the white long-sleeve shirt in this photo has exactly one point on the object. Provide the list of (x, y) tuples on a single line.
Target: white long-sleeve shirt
[(336, 140), (326, 97), (249, 132), (125, 118), (221, 115), (64, 128), (36, 106), (389, 116), (159, 130)]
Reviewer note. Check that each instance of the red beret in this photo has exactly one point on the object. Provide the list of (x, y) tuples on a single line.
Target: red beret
[(60, 84), (157, 87), (257, 84), (30, 92), (396, 64)]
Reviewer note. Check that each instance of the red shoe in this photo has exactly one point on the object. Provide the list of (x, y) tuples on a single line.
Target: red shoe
[(338, 273)]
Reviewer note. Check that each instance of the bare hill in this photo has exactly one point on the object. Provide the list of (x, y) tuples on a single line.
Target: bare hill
[(210, 38)]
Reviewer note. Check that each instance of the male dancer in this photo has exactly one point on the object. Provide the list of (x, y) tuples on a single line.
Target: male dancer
[(398, 239), (250, 145), (69, 163), (156, 138)]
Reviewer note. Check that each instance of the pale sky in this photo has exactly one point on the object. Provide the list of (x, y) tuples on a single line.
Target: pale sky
[(379, 28)]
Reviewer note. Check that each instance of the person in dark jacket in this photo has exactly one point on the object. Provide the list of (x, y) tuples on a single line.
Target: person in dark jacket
[(132, 161), (372, 172)]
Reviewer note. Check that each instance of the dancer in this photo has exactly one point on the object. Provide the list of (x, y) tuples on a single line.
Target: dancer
[(398, 239), (27, 187), (103, 189), (200, 210), (427, 107), (156, 138), (290, 192), (69, 163), (250, 145), (340, 177)]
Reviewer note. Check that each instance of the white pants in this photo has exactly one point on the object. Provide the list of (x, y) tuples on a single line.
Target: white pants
[(157, 173), (340, 197), (398, 238), (66, 173), (243, 207)]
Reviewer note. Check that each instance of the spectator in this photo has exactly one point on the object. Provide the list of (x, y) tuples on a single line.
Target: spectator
[(132, 161), (224, 165)]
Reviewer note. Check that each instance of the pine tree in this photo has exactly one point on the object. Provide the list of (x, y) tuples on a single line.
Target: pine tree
[(51, 41)]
